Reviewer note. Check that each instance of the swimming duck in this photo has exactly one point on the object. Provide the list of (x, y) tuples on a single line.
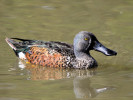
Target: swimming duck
[(59, 54)]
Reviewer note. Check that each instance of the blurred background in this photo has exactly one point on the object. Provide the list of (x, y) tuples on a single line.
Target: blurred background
[(60, 20)]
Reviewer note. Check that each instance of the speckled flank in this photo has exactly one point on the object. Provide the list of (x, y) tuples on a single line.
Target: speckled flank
[(45, 57)]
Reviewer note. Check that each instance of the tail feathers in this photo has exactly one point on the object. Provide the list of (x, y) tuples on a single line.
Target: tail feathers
[(17, 47), (11, 43), (14, 44), (21, 39)]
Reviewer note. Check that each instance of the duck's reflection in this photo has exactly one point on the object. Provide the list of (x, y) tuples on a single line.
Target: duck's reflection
[(81, 82), (83, 89), (47, 73)]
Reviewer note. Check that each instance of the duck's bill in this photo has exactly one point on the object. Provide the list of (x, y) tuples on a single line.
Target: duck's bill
[(99, 47)]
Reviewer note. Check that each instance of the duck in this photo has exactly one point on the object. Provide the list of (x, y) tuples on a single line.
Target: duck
[(60, 54)]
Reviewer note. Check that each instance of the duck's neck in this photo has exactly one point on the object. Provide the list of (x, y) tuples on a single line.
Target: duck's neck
[(82, 55)]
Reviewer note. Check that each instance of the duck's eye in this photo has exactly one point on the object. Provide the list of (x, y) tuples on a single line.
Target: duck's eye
[(85, 39)]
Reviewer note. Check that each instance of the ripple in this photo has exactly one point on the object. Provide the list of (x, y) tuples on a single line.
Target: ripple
[(5, 98), (11, 69), (7, 86), (47, 7)]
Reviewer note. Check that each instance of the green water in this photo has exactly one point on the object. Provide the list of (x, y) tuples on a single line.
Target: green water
[(59, 20)]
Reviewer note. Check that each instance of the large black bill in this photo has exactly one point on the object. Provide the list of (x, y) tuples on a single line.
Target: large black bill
[(99, 47)]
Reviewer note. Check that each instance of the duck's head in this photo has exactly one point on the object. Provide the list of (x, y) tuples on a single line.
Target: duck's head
[(85, 41)]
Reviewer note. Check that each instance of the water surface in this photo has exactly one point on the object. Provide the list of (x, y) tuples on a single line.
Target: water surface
[(59, 20)]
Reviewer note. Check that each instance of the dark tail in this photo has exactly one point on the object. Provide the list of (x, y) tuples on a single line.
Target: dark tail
[(21, 39), (13, 44), (16, 46)]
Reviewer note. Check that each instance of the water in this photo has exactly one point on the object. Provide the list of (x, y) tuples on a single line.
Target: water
[(59, 20)]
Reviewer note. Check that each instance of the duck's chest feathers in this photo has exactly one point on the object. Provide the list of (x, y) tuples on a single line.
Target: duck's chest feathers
[(83, 63)]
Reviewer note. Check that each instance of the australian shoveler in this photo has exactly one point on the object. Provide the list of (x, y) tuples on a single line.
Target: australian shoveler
[(59, 54)]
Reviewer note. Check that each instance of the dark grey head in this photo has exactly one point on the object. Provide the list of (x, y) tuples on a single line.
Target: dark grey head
[(85, 41)]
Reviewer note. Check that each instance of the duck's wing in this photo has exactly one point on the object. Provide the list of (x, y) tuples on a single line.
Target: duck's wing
[(27, 42), (41, 52)]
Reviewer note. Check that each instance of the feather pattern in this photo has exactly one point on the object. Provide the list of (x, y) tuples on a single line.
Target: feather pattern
[(53, 54)]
